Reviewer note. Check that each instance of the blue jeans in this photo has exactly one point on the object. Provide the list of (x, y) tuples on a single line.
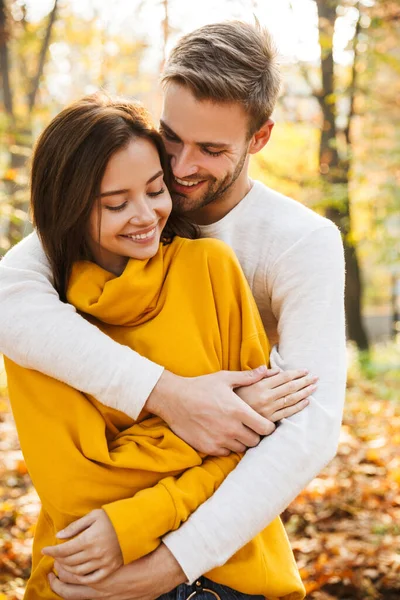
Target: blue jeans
[(204, 589)]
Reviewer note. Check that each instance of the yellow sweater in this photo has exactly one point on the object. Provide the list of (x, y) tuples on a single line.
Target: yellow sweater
[(188, 308)]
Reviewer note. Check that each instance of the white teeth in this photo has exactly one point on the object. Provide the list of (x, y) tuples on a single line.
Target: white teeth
[(186, 183), (142, 236)]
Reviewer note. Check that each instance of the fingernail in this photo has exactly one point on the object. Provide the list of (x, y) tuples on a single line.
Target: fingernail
[(261, 369), (315, 378)]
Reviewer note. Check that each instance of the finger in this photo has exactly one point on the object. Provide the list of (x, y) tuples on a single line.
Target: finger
[(76, 527), (82, 569), (286, 377), (95, 576), (235, 446), (272, 372), (294, 386), (64, 575), (71, 592), (256, 422), (62, 550), (300, 395), (247, 437), (288, 411), (291, 399), (73, 560), (220, 452), (242, 378)]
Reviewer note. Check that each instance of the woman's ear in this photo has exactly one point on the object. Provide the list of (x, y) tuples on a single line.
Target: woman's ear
[(261, 137)]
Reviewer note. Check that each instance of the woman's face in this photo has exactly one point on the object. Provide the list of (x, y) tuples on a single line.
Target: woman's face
[(132, 210)]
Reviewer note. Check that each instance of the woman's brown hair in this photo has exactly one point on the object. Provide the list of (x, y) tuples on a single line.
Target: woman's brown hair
[(68, 165)]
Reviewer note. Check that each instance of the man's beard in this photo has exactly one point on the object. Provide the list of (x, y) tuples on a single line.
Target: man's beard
[(216, 191)]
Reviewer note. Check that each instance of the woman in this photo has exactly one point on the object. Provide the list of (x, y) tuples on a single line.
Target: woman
[(102, 210)]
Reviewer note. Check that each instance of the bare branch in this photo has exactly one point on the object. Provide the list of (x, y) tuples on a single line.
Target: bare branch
[(42, 58)]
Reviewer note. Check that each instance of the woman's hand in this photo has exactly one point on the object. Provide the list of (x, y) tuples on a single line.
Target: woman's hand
[(94, 553), (281, 394), (145, 579)]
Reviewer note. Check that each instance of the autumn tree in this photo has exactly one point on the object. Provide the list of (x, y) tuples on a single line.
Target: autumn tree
[(45, 65), (335, 155), (18, 107)]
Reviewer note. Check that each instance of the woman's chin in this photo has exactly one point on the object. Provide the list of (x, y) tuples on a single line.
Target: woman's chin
[(144, 251)]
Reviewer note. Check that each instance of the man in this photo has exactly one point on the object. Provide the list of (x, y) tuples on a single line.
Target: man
[(221, 83)]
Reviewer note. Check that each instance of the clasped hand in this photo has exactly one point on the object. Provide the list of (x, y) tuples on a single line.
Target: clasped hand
[(93, 554)]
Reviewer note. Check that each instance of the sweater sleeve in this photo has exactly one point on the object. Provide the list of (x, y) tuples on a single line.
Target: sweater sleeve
[(40, 332), (141, 521), (306, 286)]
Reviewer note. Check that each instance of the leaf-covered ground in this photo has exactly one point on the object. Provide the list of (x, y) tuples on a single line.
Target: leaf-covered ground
[(344, 527)]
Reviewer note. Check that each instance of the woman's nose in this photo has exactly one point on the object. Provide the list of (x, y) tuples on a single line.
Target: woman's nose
[(144, 215)]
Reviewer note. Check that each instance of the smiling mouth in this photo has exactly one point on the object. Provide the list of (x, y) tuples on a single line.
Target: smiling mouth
[(139, 237), (181, 184)]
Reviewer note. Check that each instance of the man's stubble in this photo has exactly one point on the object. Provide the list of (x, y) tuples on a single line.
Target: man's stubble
[(216, 192)]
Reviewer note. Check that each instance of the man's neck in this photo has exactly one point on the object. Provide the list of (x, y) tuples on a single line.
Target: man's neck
[(217, 210)]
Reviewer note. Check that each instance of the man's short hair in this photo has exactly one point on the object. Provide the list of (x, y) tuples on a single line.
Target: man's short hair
[(230, 61)]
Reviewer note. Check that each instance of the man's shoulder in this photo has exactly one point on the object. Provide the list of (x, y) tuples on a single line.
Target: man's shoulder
[(280, 212)]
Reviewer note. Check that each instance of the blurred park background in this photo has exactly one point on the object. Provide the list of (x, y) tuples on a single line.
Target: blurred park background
[(335, 148)]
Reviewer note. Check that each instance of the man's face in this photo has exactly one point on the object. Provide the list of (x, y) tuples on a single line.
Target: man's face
[(208, 146)]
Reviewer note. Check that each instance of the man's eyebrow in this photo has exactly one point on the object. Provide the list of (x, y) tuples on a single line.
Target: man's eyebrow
[(213, 144), (172, 133), (119, 192)]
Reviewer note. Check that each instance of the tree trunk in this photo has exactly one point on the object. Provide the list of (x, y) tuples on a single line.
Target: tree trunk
[(335, 171), (4, 61)]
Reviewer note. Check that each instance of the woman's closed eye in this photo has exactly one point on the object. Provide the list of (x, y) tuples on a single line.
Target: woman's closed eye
[(117, 208), (158, 193)]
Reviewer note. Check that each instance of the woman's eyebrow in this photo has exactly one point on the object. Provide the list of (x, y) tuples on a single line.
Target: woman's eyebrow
[(113, 193), (156, 176), (118, 192)]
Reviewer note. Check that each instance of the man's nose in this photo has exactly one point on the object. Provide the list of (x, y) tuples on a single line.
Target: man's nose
[(182, 163)]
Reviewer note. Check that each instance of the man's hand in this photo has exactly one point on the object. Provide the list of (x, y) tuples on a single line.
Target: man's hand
[(94, 553), (145, 579), (206, 412), (280, 395)]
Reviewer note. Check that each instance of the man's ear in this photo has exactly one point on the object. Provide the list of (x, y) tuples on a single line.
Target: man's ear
[(261, 137)]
